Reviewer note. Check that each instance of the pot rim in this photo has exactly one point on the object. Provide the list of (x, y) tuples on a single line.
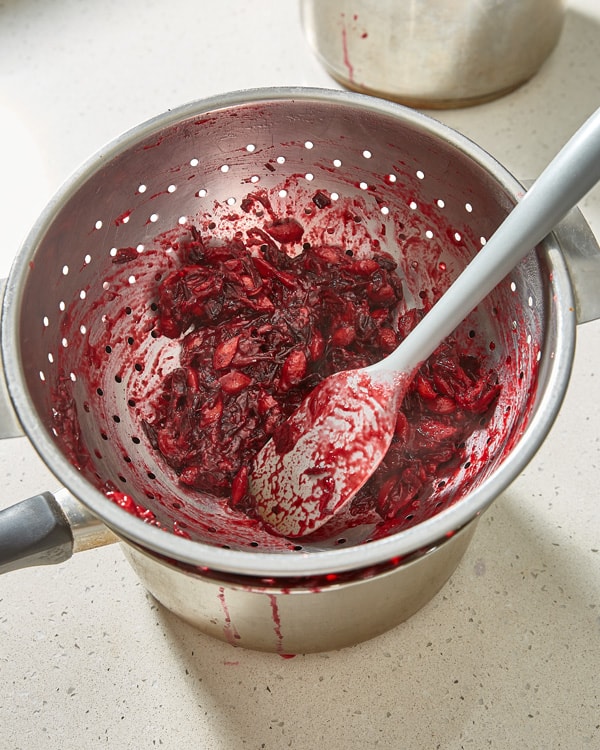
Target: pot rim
[(255, 562)]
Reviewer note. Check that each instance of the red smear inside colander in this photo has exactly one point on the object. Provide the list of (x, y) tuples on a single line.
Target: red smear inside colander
[(241, 318)]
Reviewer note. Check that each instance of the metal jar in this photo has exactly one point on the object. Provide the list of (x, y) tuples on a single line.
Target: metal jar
[(433, 53)]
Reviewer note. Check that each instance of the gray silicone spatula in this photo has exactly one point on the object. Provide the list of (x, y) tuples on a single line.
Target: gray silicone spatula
[(338, 436)]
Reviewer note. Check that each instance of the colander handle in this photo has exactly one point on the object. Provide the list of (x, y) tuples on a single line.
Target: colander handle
[(47, 529), (581, 252)]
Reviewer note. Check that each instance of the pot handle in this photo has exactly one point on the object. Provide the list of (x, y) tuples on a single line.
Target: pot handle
[(47, 529)]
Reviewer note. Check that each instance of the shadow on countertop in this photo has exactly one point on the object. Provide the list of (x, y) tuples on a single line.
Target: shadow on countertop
[(495, 654)]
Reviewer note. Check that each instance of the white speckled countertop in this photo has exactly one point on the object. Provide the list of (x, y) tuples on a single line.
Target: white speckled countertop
[(506, 656)]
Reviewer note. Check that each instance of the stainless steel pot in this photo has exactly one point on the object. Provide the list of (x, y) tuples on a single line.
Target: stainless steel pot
[(433, 53), (424, 190)]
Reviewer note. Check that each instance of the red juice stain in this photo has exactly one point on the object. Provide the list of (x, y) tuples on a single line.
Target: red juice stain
[(276, 620), (123, 218), (347, 63), (125, 255), (149, 146), (229, 629)]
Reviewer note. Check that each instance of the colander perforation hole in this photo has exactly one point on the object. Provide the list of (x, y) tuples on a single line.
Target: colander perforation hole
[(98, 224), (142, 188)]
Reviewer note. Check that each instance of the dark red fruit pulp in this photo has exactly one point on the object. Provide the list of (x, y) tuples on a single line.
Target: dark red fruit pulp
[(261, 327)]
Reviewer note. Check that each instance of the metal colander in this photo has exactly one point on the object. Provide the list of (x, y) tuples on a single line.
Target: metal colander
[(80, 343)]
